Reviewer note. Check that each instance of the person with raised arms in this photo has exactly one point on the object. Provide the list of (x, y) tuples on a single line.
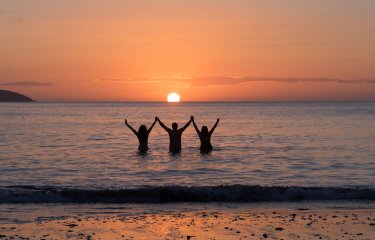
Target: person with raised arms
[(205, 136), (175, 135), (142, 135)]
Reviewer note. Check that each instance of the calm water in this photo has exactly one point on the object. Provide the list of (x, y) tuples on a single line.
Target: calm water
[(268, 144)]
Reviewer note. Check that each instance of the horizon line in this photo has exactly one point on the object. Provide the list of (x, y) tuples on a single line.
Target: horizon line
[(227, 101)]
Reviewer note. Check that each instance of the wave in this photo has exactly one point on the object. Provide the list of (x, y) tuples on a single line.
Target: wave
[(174, 194)]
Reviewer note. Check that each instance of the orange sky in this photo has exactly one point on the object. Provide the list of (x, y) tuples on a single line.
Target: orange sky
[(205, 50)]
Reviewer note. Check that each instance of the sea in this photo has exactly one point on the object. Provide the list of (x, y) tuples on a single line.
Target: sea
[(263, 152)]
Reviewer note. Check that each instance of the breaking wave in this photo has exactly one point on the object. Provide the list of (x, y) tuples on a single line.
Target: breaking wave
[(173, 194)]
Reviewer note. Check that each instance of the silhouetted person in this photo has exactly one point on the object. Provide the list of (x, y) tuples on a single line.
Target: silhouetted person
[(174, 135), (142, 135), (205, 136)]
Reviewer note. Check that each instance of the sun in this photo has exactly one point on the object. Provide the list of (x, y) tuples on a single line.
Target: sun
[(173, 97)]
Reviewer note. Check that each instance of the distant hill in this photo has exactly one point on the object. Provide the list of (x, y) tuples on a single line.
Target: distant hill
[(8, 96)]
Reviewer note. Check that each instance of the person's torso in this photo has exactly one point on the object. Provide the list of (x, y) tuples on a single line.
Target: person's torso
[(205, 142), (175, 141), (143, 143)]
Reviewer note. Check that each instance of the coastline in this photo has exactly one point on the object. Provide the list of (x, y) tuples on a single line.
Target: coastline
[(296, 220)]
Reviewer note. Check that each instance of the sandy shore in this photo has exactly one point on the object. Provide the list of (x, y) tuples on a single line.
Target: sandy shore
[(221, 224)]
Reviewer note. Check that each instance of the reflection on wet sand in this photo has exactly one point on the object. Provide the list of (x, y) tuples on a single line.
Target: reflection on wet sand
[(299, 223)]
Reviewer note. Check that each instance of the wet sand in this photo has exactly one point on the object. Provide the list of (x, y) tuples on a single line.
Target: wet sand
[(211, 224)]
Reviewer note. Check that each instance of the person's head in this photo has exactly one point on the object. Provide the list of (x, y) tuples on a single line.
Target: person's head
[(204, 130), (142, 130), (174, 126)]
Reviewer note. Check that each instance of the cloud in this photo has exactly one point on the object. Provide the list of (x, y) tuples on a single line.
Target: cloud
[(26, 84), (10, 18), (141, 80), (205, 81), (220, 80), (113, 80)]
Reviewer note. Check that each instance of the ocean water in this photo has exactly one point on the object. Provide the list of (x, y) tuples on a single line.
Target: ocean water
[(311, 150)]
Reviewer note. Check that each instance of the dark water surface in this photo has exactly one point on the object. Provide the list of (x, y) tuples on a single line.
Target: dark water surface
[(86, 145)]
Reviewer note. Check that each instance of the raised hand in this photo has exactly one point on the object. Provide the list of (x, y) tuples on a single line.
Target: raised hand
[(215, 125), (152, 125)]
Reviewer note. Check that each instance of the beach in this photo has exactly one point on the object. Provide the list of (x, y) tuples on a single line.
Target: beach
[(187, 120), (278, 171), (317, 220)]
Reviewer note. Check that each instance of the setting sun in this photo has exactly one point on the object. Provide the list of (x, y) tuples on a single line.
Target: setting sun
[(173, 97)]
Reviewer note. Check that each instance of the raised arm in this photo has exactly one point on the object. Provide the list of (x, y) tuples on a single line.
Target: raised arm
[(195, 125), (184, 127), (213, 128), (163, 126), (134, 131), (153, 124)]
